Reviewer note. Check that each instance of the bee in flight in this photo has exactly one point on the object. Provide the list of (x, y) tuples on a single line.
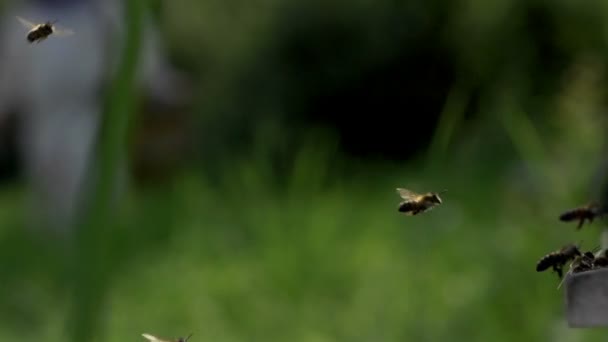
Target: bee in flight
[(580, 214), (39, 32), (558, 259), (156, 339), (414, 203)]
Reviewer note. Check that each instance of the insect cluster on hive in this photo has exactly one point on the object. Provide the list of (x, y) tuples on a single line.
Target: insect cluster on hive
[(570, 253)]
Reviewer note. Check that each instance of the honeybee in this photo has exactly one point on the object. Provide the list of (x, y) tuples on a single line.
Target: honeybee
[(601, 259), (587, 212), (156, 339), (414, 203), (581, 263), (558, 259), (39, 32)]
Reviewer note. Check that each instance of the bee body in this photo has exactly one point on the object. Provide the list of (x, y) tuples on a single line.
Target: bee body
[(600, 262), (415, 208), (601, 259), (582, 263), (414, 203), (580, 214), (558, 259), (39, 32)]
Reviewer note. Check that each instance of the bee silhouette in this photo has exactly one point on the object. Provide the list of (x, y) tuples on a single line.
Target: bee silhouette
[(601, 259), (414, 203), (581, 263), (39, 32), (588, 212), (156, 339), (558, 259)]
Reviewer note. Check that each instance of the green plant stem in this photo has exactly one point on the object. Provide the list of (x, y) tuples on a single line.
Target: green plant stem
[(93, 261)]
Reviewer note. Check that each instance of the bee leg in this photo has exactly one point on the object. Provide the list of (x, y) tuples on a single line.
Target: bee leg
[(558, 270), (405, 206), (580, 223)]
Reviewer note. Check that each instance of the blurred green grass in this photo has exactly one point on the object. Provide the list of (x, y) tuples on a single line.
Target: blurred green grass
[(318, 251), (325, 257)]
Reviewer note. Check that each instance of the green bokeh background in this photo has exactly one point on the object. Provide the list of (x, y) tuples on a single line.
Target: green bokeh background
[(268, 231)]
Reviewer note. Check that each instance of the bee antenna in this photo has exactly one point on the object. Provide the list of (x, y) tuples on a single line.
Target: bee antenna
[(188, 337)]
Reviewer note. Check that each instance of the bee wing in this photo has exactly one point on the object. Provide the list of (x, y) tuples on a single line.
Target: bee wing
[(26, 23), (62, 31), (152, 338), (407, 194)]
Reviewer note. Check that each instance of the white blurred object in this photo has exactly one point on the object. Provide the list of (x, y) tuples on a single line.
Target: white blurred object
[(56, 86)]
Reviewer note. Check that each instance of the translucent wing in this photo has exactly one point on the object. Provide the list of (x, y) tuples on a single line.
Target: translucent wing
[(62, 31), (26, 23), (152, 338), (407, 194)]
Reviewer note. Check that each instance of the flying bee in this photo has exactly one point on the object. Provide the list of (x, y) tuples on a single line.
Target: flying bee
[(558, 259), (587, 212), (39, 32), (156, 339), (414, 203)]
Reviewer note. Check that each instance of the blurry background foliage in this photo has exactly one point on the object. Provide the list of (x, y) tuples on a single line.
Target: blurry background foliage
[(271, 213)]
